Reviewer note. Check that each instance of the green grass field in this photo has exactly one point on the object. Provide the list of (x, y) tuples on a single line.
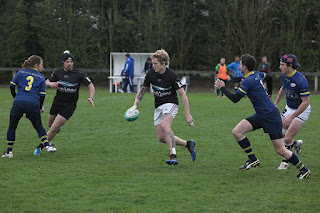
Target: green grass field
[(106, 164)]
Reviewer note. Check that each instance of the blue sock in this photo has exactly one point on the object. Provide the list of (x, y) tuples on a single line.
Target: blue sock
[(295, 161), (11, 137), (246, 146)]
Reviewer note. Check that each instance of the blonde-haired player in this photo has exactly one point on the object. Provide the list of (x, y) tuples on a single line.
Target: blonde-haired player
[(165, 84)]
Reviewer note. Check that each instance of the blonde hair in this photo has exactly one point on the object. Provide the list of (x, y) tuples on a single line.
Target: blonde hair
[(31, 61), (162, 56)]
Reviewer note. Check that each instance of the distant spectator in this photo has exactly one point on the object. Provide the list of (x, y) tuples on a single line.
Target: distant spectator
[(265, 67), (236, 69), (221, 71), (128, 72), (147, 66)]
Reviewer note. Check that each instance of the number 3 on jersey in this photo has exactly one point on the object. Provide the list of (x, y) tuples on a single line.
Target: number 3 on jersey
[(30, 80)]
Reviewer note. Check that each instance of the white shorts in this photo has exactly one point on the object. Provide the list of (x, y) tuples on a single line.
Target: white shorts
[(303, 117), (164, 109)]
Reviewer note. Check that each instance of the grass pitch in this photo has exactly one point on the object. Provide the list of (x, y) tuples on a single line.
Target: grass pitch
[(106, 164)]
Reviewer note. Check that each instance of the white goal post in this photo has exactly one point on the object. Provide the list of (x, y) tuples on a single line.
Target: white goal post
[(117, 61)]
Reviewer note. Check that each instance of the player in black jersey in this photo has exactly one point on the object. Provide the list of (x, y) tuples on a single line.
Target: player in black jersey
[(67, 81), (165, 84)]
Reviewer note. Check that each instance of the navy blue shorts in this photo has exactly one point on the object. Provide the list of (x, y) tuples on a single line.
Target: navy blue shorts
[(270, 122), (31, 110)]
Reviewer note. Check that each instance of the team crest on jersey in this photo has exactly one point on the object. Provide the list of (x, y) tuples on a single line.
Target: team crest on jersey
[(293, 84)]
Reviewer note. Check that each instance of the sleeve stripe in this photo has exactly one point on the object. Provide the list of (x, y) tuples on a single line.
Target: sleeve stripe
[(242, 91), (13, 83), (305, 93), (43, 93)]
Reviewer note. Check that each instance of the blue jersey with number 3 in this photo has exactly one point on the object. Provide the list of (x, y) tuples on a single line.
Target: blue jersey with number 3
[(30, 84), (253, 87)]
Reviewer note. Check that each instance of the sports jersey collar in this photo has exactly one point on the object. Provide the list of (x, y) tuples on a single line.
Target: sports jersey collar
[(250, 73), (290, 75), (33, 68), (68, 70)]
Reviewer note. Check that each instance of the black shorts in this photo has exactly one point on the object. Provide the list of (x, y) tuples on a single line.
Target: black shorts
[(237, 79), (64, 109)]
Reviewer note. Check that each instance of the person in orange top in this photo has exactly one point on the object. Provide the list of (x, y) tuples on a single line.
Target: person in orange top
[(221, 73)]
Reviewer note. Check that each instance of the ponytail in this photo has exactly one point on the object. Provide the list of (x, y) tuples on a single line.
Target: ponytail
[(26, 64), (31, 61)]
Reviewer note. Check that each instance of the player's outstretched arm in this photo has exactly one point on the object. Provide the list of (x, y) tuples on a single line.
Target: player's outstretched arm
[(139, 97), (91, 93), (185, 102), (280, 95), (233, 97), (51, 84)]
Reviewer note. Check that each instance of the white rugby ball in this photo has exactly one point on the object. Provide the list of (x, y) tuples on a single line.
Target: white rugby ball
[(131, 114)]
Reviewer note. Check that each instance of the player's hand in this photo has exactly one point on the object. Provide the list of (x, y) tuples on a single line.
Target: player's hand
[(287, 121), (134, 107), (219, 84), (190, 120), (54, 84), (42, 109), (91, 101)]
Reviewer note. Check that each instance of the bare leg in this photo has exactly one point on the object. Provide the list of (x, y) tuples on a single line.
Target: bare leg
[(57, 123), (279, 147), (51, 120), (240, 130), (292, 131), (164, 136)]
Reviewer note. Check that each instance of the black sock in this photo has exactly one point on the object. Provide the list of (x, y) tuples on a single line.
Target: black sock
[(41, 145), (9, 146), (188, 144), (173, 156), (290, 147)]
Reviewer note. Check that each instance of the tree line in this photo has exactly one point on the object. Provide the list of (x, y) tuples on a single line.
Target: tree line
[(196, 33)]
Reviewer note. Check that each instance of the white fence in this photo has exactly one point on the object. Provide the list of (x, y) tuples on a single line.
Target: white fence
[(181, 72)]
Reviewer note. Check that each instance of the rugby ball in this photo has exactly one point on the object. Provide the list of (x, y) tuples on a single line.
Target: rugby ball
[(131, 114)]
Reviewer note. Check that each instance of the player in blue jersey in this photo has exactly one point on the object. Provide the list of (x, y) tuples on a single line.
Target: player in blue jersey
[(29, 100), (128, 72), (267, 117), (296, 89), (237, 75)]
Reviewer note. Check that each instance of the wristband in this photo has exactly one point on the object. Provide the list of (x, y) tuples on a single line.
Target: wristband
[(92, 98)]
